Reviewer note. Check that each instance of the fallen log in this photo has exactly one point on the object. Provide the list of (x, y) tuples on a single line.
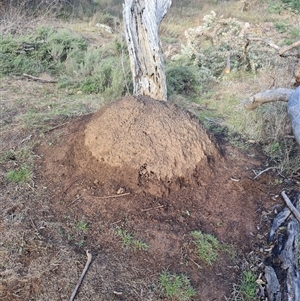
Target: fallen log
[(280, 94), (39, 79), (281, 268), (292, 97)]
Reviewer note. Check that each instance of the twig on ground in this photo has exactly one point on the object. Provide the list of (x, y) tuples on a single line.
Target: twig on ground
[(111, 196), (116, 222), (157, 207), (88, 262), (198, 265), (26, 139), (56, 127), (38, 79), (74, 201), (263, 171), (291, 206)]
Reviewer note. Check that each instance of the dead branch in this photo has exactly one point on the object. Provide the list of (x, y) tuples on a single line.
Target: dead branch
[(263, 171), (291, 206), (278, 221), (56, 127), (280, 94), (88, 262), (266, 41), (41, 80), (112, 196), (281, 50), (288, 48), (153, 208)]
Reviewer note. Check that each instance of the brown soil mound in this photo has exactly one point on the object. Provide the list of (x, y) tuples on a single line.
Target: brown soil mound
[(160, 145), (217, 197)]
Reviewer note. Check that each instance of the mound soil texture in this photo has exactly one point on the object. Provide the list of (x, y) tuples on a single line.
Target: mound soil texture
[(150, 168), (150, 146)]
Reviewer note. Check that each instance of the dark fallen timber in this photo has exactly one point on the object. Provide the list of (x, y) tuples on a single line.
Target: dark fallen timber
[(281, 267)]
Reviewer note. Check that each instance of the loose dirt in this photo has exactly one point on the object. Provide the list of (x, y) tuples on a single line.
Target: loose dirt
[(81, 196)]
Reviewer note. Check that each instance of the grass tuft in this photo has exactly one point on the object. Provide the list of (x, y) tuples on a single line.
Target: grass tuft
[(128, 240), (20, 175), (177, 287), (248, 286), (207, 246)]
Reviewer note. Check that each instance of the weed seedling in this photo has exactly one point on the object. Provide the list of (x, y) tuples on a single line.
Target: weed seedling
[(125, 236), (176, 286), (82, 225), (207, 246), (128, 240)]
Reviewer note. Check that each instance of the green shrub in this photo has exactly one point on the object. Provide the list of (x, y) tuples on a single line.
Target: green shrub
[(45, 50), (66, 55), (181, 80), (294, 4)]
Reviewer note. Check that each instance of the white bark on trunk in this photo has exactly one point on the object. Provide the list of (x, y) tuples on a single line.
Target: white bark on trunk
[(141, 20), (294, 112)]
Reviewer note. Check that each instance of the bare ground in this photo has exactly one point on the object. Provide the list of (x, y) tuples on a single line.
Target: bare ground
[(48, 223)]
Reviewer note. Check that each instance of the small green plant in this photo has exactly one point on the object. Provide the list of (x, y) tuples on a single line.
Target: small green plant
[(19, 175), (207, 246), (248, 286), (281, 27), (177, 287), (128, 240), (82, 225), (79, 243), (125, 236)]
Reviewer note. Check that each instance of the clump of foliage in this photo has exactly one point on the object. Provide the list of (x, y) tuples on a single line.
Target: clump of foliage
[(177, 287)]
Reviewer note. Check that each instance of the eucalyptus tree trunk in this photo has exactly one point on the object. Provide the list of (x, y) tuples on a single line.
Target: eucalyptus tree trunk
[(141, 20)]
